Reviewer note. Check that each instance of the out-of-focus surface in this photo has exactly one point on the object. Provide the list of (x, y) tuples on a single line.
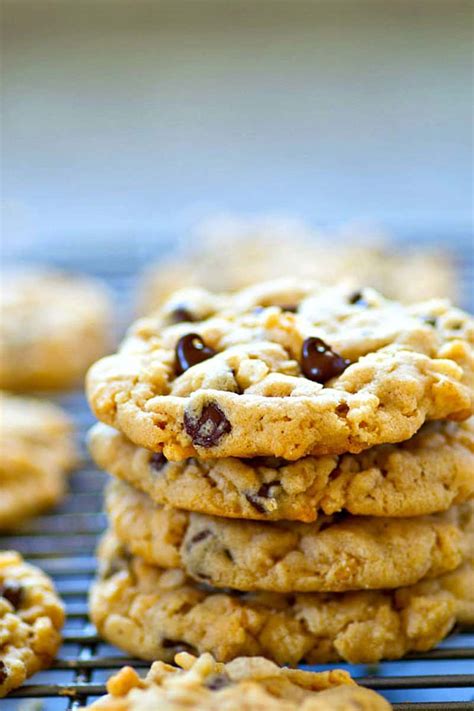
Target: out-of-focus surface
[(133, 117)]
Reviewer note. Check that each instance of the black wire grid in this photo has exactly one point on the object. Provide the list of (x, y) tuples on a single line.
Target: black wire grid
[(63, 541)]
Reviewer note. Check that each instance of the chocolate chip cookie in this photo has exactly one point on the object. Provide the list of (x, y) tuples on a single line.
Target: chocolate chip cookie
[(285, 369), (428, 473), (154, 613), (37, 450), (245, 684), (52, 327), (335, 554), (31, 618)]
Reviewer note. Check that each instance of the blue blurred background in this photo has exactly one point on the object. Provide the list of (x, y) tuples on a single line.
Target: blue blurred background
[(131, 120)]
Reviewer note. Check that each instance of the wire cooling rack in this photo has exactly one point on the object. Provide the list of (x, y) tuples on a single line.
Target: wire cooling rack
[(62, 543)]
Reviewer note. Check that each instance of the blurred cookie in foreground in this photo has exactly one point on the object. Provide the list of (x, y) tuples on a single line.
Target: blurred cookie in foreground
[(52, 327), (31, 618), (245, 684), (37, 450), (230, 254)]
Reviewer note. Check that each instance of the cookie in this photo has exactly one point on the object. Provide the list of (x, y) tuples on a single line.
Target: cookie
[(52, 327), (245, 684), (335, 554), (31, 618), (263, 249), (428, 473), (325, 371), (37, 450), (154, 613)]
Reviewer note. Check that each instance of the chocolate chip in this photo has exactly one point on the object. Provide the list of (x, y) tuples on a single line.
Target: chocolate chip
[(269, 462), (180, 314), (191, 350), (217, 681), (207, 430), (358, 298), (158, 461), (201, 536), (319, 362), (3, 672), (13, 592), (228, 554), (293, 308), (430, 320), (265, 489), (252, 499), (178, 645)]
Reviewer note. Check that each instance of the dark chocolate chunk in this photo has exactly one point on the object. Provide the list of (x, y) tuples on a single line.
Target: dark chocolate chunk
[(357, 297), (217, 681), (191, 350), (13, 592), (178, 645), (319, 362), (180, 314), (265, 489), (3, 672), (209, 427), (252, 499), (158, 461)]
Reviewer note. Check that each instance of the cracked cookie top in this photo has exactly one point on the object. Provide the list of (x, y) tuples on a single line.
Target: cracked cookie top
[(245, 684), (285, 369)]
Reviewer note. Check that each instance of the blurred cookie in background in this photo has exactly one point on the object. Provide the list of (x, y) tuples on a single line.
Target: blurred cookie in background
[(52, 327), (227, 254), (37, 449)]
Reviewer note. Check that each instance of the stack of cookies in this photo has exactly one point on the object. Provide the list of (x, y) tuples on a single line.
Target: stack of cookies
[(293, 474)]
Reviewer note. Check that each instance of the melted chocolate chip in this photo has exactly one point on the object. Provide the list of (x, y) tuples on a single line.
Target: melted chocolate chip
[(252, 499), (293, 308), (3, 672), (201, 536), (178, 645), (207, 430), (269, 462), (357, 298), (13, 592), (228, 554), (158, 461), (217, 681), (319, 362), (180, 314), (265, 489), (191, 350)]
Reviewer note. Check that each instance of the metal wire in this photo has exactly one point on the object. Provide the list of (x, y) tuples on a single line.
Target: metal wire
[(62, 543)]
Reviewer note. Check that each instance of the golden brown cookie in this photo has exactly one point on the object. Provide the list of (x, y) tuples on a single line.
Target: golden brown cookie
[(428, 473), (52, 327), (335, 554), (285, 369), (31, 618), (37, 450), (245, 684), (154, 613)]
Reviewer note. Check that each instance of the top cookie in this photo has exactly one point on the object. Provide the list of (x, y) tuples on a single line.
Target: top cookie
[(285, 369), (52, 327), (245, 684)]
